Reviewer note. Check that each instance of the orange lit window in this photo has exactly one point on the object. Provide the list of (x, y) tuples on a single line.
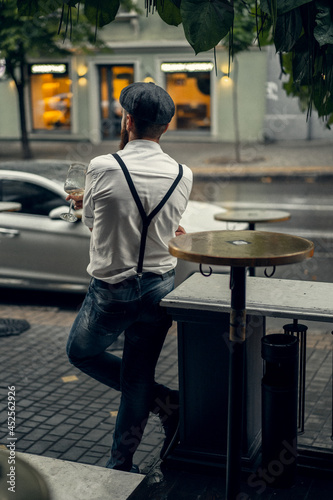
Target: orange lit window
[(190, 92), (51, 101)]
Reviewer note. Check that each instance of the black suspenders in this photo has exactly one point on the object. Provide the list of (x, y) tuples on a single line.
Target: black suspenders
[(146, 219)]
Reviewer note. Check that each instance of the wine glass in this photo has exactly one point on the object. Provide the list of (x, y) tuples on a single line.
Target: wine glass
[(74, 185)]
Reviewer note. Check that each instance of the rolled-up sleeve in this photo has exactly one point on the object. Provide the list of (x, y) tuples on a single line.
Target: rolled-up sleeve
[(88, 200)]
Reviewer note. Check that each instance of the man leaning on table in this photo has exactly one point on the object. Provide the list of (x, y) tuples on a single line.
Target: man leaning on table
[(133, 204)]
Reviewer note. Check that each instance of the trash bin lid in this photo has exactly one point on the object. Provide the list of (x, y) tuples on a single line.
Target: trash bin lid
[(279, 347)]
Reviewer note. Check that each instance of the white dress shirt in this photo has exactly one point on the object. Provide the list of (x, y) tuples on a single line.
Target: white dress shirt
[(109, 208)]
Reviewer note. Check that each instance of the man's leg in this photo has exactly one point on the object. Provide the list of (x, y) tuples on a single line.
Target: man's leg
[(96, 328), (143, 344), (140, 393), (87, 352)]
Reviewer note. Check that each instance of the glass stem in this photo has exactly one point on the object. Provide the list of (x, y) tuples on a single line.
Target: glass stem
[(70, 207)]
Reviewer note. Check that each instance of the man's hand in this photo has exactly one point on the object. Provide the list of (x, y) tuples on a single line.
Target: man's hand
[(180, 230), (78, 201)]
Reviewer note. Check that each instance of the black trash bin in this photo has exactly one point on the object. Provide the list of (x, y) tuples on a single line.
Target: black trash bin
[(279, 408)]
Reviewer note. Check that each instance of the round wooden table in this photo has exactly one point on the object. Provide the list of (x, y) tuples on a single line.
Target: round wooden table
[(239, 249), (10, 206), (253, 216)]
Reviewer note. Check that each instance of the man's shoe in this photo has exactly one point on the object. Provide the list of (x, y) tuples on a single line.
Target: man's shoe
[(134, 469)]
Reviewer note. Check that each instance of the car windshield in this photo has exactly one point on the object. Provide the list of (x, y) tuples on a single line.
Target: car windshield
[(33, 198)]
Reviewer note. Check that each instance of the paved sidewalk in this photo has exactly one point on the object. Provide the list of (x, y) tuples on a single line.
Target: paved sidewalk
[(62, 413)]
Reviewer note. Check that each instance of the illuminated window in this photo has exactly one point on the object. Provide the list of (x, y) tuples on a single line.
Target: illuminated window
[(189, 86), (51, 97)]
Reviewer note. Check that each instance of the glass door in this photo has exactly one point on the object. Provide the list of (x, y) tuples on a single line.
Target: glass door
[(112, 79)]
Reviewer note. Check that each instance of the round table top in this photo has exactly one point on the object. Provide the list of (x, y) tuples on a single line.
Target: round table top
[(241, 248), (9, 206), (253, 215)]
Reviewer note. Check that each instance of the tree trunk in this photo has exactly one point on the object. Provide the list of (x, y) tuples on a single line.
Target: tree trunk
[(26, 151), (235, 112)]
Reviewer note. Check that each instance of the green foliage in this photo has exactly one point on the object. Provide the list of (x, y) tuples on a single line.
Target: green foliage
[(278, 7), (169, 12), (206, 23), (37, 35), (176, 2), (38, 7), (101, 12), (323, 31), (20, 36), (288, 29), (310, 60), (244, 27)]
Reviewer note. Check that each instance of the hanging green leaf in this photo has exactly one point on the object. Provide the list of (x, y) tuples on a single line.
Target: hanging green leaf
[(318, 94), (279, 7), (206, 23), (323, 31), (101, 12), (168, 11), (322, 98), (302, 67), (270, 7), (288, 29), (327, 72)]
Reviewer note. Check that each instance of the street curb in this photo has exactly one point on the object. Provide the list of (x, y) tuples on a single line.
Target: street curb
[(240, 172)]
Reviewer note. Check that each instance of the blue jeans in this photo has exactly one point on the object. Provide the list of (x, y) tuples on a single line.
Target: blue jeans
[(132, 307)]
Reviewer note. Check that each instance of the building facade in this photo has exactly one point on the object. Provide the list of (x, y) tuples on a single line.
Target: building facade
[(77, 98)]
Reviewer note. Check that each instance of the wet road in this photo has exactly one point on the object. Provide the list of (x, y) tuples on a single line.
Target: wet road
[(308, 200)]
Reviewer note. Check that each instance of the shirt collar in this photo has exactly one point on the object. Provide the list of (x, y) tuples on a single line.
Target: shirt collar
[(142, 144)]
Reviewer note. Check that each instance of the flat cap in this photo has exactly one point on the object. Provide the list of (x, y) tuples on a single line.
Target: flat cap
[(147, 101)]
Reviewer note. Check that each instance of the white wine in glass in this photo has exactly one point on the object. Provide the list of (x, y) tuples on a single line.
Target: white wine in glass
[(74, 185)]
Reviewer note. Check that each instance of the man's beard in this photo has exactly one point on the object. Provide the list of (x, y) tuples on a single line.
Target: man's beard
[(123, 138)]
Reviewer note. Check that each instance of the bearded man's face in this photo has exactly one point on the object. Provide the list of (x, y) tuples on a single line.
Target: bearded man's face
[(123, 132)]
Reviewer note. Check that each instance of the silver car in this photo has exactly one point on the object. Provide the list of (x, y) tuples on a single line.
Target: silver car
[(40, 251)]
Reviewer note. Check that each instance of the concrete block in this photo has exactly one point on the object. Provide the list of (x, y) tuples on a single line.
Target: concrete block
[(75, 481)]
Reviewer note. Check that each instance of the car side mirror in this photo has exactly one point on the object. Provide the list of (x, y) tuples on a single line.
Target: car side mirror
[(56, 212)]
